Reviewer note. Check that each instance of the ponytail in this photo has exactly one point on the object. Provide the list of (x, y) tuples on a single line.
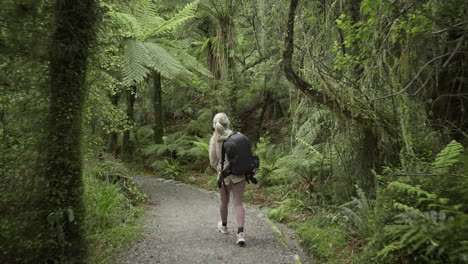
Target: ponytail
[(220, 123), (219, 128)]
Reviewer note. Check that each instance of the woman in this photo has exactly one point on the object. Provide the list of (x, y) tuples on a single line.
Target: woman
[(233, 183)]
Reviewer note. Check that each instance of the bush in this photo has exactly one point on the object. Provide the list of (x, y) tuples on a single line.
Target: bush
[(429, 223), (322, 242), (110, 214)]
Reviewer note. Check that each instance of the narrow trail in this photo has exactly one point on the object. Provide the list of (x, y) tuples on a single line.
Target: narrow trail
[(181, 228)]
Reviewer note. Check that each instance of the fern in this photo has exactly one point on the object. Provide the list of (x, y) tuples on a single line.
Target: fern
[(176, 21), (189, 61), (136, 62), (198, 150), (163, 62), (411, 190), (428, 235), (310, 147), (147, 15), (447, 158), (142, 57), (362, 212)]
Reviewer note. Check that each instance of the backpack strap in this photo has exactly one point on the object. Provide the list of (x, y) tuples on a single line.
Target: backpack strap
[(223, 150), (223, 154)]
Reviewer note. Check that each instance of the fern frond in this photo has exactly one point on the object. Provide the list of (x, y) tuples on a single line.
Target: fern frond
[(447, 157), (404, 207), (163, 62), (189, 61), (309, 146), (136, 62), (176, 21), (410, 189), (147, 15)]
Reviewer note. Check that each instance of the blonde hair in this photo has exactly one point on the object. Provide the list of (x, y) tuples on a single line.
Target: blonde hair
[(220, 123)]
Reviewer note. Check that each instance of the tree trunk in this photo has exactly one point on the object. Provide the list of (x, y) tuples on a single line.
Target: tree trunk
[(113, 137), (127, 144), (74, 32), (305, 87), (158, 110)]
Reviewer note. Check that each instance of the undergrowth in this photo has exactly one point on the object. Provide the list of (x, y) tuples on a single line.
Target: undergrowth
[(113, 207), (408, 219)]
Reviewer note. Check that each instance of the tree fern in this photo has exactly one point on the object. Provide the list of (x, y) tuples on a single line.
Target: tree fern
[(143, 56)]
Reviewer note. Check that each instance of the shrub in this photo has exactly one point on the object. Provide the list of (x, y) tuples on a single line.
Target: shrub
[(322, 242), (110, 215)]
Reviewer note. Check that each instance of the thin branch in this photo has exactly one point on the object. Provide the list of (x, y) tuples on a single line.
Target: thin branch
[(429, 174), (415, 77), (259, 60), (455, 51), (450, 27)]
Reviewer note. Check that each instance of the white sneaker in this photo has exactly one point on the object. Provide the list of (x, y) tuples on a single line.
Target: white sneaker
[(240, 239), (221, 228)]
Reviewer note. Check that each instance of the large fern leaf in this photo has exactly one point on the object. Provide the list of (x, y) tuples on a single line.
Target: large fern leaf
[(163, 62), (147, 15), (176, 21), (447, 157), (189, 61), (136, 61)]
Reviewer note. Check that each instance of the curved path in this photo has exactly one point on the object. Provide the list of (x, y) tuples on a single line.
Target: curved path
[(181, 228)]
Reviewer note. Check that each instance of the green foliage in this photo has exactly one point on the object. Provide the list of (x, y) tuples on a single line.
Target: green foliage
[(287, 209), (172, 145), (141, 57), (176, 21), (268, 158), (447, 158), (322, 242), (170, 168), (111, 214), (428, 227), (113, 172), (436, 236), (364, 216)]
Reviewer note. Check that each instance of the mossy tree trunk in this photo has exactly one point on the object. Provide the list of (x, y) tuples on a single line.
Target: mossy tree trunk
[(158, 127), (73, 34)]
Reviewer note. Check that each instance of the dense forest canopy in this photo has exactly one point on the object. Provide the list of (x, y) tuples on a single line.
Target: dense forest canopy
[(357, 109)]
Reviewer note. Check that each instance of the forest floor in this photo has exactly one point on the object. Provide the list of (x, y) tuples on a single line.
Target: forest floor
[(180, 227)]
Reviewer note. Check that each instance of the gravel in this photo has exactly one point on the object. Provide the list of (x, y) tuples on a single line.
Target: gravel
[(181, 228)]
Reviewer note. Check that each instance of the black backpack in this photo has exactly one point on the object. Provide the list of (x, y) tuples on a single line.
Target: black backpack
[(238, 150)]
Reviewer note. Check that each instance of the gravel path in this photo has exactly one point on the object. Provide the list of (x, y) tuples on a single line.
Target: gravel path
[(181, 228)]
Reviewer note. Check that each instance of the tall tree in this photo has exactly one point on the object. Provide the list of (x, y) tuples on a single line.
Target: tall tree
[(74, 32), (337, 104)]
